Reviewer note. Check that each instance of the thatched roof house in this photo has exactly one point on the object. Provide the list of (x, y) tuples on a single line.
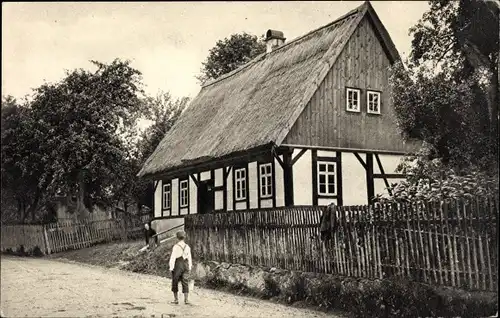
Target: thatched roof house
[(323, 94), (257, 104)]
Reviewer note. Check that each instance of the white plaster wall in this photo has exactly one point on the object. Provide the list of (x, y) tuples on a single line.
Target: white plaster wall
[(219, 177), (326, 201), (175, 197), (218, 200), (266, 203), (380, 187), (205, 175), (326, 153), (230, 191), (193, 196), (218, 195), (279, 185), (389, 163), (241, 205), (253, 185), (157, 202), (302, 179), (353, 180)]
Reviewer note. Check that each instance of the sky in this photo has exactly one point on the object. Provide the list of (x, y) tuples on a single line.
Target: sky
[(166, 41)]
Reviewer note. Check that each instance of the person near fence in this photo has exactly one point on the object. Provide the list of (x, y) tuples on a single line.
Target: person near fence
[(149, 233), (328, 222), (180, 267)]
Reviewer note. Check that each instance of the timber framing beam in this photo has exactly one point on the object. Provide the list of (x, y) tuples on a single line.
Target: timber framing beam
[(389, 176), (288, 177), (381, 169), (373, 151), (214, 163), (370, 184), (155, 184), (194, 179), (277, 157), (297, 157), (360, 160)]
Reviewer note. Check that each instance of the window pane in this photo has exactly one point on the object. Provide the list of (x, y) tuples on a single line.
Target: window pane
[(331, 179), (322, 188), (269, 190), (322, 167), (322, 178), (331, 188), (331, 168)]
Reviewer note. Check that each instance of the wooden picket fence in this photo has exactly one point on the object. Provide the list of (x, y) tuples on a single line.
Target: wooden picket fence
[(450, 244), (62, 236)]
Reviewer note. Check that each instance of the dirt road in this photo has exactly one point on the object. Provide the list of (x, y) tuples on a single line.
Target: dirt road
[(33, 287)]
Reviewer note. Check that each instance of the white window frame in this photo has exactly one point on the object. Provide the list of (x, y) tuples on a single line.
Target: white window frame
[(266, 180), (167, 196), (240, 184), (358, 104), (369, 103), (327, 173), (184, 193)]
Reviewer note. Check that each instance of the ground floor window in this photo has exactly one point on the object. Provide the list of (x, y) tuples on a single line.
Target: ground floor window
[(167, 196), (266, 180), (240, 184), (184, 193), (326, 178)]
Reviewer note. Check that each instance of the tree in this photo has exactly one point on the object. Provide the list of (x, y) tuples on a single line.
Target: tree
[(21, 172), (163, 111), (448, 93), (464, 37), (229, 54), (74, 141), (447, 96), (450, 116)]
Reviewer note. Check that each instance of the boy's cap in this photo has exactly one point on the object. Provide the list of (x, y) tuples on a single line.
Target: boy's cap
[(181, 234)]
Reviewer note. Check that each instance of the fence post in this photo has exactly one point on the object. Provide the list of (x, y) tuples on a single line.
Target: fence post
[(46, 237)]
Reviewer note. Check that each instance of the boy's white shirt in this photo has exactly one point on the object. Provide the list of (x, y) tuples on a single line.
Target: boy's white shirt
[(177, 252)]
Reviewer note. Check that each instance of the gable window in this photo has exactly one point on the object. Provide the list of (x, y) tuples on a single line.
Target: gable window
[(266, 181), (353, 97), (373, 102), (184, 193), (240, 184), (326, 178), (167, 196)]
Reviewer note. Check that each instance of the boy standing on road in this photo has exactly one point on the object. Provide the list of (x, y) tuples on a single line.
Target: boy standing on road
[(180, 266)]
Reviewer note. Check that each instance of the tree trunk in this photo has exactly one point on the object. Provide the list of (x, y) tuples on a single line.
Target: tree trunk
[(80, 204), (480, 61), (34, 205)]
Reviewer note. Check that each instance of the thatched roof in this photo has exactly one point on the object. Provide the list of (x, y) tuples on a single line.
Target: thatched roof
[(258, 103)]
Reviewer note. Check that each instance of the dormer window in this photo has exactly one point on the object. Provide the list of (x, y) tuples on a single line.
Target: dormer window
[(373, 102), (353, 100)]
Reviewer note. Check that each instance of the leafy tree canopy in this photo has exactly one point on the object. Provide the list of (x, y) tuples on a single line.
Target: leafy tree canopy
[(163, 110), (446, 95), (229, 54), (72, 137)]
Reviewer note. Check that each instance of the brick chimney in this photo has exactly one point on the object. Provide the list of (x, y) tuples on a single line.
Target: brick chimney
[(274, 39)]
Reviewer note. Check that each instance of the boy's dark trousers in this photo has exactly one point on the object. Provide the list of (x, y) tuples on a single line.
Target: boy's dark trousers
[(179, 274)]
